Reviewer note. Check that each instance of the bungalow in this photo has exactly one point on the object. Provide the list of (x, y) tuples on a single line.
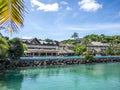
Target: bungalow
[(98, 47)]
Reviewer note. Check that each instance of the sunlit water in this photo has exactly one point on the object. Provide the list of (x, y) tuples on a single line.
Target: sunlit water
[(83, 77)]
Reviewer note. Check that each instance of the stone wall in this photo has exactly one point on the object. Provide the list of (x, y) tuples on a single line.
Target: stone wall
[(7, 64)]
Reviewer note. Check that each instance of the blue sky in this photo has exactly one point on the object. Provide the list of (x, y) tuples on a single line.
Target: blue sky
[(59, 19)]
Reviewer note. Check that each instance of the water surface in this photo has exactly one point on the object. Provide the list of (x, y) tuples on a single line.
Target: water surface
[(83, 77)]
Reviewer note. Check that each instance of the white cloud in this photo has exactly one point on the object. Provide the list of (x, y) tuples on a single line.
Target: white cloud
[(96, 27), (45, 7), (27, 37), (68, 8), (66, 5), (89, 5), (64, 2)]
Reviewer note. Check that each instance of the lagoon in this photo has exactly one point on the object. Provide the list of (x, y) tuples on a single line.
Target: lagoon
[(82, 77)]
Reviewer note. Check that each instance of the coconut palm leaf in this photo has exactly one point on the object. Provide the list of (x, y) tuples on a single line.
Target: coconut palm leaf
[(3, 44), (11, 14), (4, 47)]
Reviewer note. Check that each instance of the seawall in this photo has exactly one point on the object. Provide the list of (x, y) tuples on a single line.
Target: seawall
[(7, 64)]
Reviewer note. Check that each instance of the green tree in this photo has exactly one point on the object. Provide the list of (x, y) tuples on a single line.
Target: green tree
[(102, 36), (75, 36), (79, 49), (4, 47), (85, 41), (11, 14), (16, 48), (25, 47), (109, 51), (89, 55), (69, 41), (48, 40)]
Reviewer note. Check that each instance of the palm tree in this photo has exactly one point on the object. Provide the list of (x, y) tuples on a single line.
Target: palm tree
[(75, 35), (11, 14), (4, 47)]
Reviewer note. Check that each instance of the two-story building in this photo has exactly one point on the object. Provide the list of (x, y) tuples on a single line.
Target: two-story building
[(38, 47), (98, 47)]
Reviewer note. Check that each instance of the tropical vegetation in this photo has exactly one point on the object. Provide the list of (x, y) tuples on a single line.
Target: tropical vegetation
[(79, 49), (16, 48), (11, 19), (75, 35), (11, 49), (81, 44), (4, 47), (88, 57), (69, 41), (103, 38)]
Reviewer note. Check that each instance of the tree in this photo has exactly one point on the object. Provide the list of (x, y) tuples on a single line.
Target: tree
[(11, 14), (109, 51), (75, 35), (25, 47), (86, 42), (89, 55), (48, 40), (79, 49), (4, 47), (102, 36), (69, 41), (16, 48)]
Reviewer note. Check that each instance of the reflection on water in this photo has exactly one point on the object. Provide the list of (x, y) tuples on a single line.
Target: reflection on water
[(10, 80), (84, 77)]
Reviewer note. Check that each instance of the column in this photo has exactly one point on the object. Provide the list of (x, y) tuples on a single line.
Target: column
[(51, 54), (33, 54), (39, 53)]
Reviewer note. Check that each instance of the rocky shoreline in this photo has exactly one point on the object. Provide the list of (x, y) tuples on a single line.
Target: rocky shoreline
[(7, 64)]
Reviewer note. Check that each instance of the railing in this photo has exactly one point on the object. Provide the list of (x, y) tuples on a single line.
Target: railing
[(66, 57)]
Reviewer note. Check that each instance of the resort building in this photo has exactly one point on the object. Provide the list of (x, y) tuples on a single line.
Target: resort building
[(42, 48), (98, 47)]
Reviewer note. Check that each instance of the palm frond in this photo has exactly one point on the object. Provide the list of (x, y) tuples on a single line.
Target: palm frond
[(11, 14), (3, 43)]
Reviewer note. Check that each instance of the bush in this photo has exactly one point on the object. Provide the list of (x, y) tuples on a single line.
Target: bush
[(16, 48), (88, 57)]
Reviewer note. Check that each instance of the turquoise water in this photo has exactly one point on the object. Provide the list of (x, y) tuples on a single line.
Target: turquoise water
[(83, 77)]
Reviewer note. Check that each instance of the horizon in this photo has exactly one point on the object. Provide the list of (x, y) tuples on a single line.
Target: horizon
[(28, 38), (59, 19)]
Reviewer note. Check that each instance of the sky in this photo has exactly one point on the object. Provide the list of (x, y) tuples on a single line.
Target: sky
[(59, 19)]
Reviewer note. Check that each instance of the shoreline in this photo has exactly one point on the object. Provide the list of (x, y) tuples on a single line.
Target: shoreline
[(15, 64)]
